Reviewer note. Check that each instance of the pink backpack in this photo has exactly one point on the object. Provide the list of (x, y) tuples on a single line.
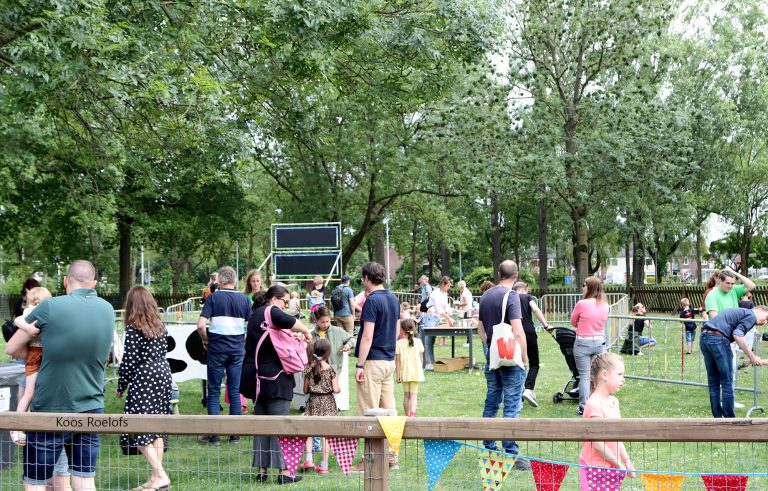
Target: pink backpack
[(291, 351)]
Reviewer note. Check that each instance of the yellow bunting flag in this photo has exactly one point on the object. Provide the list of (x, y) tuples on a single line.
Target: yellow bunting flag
[(493, 470), (393, 427), (662, 482)]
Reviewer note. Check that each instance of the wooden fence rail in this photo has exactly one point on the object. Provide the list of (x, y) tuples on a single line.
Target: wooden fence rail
[(376, 473)]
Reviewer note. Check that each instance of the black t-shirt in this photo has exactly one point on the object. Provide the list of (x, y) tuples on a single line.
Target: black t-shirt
[(490, 308), (269, 362), (383, 309), (637, 327), (527, 313)]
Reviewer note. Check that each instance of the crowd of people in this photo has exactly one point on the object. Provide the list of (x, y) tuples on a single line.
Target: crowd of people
[(65, 342)]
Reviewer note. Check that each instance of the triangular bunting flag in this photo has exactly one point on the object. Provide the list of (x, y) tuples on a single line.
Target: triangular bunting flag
[(291, 447), (493, 470), (393, 427), (344, 451), (604, 479), (548, 476), (438, 454), (723, 483), (662, 482)]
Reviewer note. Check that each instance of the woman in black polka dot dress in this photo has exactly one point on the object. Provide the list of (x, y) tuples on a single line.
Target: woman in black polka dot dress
[(145, 372)]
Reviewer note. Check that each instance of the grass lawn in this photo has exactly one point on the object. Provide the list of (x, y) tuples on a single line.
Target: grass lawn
[(461, 394)]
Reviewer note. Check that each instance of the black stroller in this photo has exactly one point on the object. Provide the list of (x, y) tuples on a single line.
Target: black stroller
[(565, 337)]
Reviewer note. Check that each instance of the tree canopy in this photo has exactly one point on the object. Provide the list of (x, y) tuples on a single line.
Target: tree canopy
[(476, 129)]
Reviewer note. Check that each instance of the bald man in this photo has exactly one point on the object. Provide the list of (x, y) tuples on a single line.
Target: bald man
[(76, 332)]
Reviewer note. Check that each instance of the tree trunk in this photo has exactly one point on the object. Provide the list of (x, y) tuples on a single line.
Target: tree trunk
[(543, 259), (495, 236), (414, 267), (379, 245), (746, 246), (581, 244), (699, 259), (430, 256), (126, 269), (628, 268), (517, 239), (249, 260), (445, 259), (638, 262)]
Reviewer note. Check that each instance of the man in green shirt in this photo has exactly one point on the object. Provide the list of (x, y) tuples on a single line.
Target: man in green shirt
[(727, 293), (76, 332)]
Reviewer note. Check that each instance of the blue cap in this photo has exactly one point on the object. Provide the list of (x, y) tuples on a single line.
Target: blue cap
[(345, 277)]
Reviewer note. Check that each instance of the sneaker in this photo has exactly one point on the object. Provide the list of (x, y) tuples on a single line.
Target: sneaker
[(738, 405), (284, 479), (521, 465), (209, 440), (530, 397), (429, 367), (321, 470), (307, 465), (580, 411), (360, 467), (261, 477), (234, 439)]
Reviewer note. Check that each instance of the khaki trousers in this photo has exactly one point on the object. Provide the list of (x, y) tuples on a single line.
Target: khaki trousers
[(378, 390), (346, 322)]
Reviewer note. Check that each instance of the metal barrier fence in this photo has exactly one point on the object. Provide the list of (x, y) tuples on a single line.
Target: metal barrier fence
[(557, 309), (667, 362), (691, 449), (186, 311)]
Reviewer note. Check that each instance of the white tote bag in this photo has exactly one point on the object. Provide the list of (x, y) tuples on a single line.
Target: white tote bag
[(504, 349)]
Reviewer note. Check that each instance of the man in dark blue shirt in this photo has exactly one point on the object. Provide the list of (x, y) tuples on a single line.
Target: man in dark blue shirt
[(505, 383), (375, 349), (227, 310), (730, 325)]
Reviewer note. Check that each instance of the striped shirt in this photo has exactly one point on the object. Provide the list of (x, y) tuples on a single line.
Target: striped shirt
[(228, 311)]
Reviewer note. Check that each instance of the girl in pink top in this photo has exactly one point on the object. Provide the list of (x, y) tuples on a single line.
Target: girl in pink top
[(603, 464), (589, 318)]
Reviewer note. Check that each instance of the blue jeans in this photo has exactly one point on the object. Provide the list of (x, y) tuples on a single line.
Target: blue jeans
[(504, 383), (584, 351), (43, 451), (718, 360), (218, 364), (429, 349)]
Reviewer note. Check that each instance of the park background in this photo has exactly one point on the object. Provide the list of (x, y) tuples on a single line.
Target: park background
[(588, 136), (583, 135)]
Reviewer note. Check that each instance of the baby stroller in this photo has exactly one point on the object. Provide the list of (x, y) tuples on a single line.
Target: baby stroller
[(565, 337)]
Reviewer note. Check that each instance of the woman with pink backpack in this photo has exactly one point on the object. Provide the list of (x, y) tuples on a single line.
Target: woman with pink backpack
[(271, 358)]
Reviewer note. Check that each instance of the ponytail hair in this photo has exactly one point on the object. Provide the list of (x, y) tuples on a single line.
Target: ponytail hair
[(261, 299), (319, 351), (409, 327), (603, 361)]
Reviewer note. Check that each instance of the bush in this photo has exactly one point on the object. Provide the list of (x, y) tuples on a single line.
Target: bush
[(478, 276)]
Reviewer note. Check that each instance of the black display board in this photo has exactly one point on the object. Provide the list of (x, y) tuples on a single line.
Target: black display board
[(304, 265), (306, 238)]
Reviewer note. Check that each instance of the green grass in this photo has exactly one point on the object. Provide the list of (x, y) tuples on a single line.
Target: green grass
[(461, 394)]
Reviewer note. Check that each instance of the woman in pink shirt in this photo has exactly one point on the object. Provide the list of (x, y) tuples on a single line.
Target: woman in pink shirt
[(589, 318)]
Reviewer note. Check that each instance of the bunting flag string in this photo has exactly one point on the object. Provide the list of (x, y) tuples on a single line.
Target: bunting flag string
[(548, 476), (393, 427), (438, 454), (291, 447), (493, 470), (662, 482), (344, 451), (728, 482)]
